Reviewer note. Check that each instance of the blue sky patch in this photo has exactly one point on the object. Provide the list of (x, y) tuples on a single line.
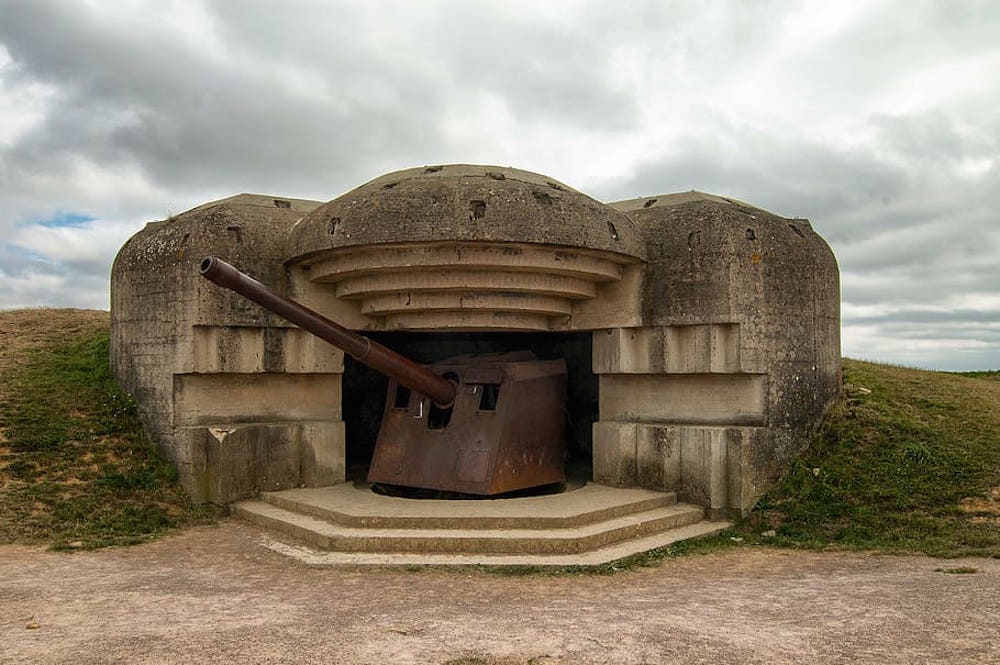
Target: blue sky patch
[(15, 258), (66, 219)]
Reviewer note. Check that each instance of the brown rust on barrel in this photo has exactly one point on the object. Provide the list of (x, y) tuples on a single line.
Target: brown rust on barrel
[(388, 362)]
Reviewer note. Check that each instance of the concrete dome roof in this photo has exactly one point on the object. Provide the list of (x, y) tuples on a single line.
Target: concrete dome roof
[(465, 203)]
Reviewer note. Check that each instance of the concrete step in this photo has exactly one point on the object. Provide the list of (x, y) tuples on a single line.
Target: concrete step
[(541, 541), (600, 556), (357, 506)]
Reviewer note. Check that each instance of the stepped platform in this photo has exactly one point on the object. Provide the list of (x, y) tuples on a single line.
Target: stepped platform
[(589, 524)]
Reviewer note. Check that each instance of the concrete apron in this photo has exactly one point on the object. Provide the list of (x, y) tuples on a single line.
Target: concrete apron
[(587, 526)]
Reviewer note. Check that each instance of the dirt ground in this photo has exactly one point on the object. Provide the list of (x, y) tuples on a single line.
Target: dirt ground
[(218, 594)]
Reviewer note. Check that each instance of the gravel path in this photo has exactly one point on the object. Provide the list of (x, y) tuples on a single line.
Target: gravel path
[(216, 594)]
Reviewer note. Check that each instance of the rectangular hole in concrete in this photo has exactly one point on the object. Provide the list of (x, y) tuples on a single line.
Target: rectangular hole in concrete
[(364, 390)]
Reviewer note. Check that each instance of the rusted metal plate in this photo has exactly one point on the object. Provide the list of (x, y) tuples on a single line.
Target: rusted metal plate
[(504, 432)]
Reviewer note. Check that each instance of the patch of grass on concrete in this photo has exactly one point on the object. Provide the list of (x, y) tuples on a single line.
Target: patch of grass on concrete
[(76, 468), (906, 461)]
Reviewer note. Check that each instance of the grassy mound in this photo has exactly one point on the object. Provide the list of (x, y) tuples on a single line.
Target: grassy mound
[(76, 469), (907, 460)]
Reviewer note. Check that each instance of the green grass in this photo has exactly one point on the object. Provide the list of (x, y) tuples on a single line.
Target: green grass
[(76, 468), (993, 374), (906, 461)]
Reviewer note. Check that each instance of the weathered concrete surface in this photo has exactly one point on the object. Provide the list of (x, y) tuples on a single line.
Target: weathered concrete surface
[(465, 202), (217, 595), (591, 544), (587, 525), (741, 326), (460, 284), (211, 374), (470, 247)]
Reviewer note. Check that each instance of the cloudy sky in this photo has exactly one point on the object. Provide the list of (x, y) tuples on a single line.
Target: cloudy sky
[(877, 120)]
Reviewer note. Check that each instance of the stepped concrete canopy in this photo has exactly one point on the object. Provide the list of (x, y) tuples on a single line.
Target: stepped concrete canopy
[(701, 334)]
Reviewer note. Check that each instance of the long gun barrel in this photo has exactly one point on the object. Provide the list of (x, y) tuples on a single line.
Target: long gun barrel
[(403, 370)]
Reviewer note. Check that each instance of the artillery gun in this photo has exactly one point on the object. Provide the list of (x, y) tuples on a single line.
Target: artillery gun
[(480, 425)]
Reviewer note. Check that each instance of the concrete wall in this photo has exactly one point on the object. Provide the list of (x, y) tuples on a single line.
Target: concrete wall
[(715, 325), (237, 399), (738, 357)]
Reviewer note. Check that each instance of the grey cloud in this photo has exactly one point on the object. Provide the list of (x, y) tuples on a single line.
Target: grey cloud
[(136, 93), (33, 281), (791, 178), (947, 242), (959, 341), (956, 317), (903, 330), (546, 70), (871, 55), (921, 282), (909, 226), (150, 116), (934, 138), (188, 119)]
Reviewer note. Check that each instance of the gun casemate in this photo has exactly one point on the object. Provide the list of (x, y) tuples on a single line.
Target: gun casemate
[(481, 425)]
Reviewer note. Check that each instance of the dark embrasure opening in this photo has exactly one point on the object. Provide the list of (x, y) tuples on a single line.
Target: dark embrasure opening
[(364, 390)]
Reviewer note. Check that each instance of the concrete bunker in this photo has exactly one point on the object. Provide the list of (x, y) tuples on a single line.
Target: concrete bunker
[(702, 333)]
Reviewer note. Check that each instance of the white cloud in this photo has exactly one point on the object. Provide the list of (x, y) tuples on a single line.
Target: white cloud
[(880, 121), (83, 246), (23, 103)]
